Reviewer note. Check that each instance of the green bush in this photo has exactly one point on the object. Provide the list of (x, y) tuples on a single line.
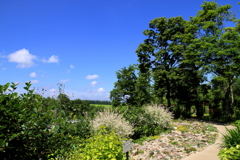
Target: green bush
[(112, 121), (232, 153), (82, 108), (148, 121), (236, 123), (103, 145), (29, 129), (80, 128), (132, 115), (231, 138)]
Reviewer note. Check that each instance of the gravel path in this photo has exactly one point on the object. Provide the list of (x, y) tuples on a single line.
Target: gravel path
[(210, 153), (192, 143)]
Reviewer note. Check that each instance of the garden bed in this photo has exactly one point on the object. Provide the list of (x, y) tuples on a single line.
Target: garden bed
[(186, 138)]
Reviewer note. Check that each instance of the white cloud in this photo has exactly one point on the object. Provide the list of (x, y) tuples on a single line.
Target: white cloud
[(71, 66), (22, 57), (34, 81), (52, 90), (63, 81), (93, 83), (92, 76), (52, 59), (100, 90), (4, 68), (33, 74)]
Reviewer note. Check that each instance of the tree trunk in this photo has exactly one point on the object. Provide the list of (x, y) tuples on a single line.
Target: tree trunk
[(199, 109), (227, 103), (168, 96), (232, 95), (188, 110)]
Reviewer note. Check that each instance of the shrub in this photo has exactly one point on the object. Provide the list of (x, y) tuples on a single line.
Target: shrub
[(28, 129), (231, 138), (104, 145), (80, 128), (149, 120), (154, 120), (82, 108), (236, 123), (132, 115), (112, 121), (232, 153), (159, 115)]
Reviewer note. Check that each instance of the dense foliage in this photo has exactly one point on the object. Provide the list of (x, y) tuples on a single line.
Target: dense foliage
[(147, 120), (30, 130), (230, 144), (186, 64), (232, 153), (99, 102), (232, 138), (103, 145)]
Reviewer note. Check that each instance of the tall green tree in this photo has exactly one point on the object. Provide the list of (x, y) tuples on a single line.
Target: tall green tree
[(130, 88), (220, 45), (162, 54)]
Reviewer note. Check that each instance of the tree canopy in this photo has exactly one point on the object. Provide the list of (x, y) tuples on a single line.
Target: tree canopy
[(178, 57)]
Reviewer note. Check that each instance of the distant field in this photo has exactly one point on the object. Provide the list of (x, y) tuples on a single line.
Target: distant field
[(105, 105)]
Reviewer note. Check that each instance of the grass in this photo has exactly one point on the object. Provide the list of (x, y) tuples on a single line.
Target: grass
[(102, 105), (231, 138)]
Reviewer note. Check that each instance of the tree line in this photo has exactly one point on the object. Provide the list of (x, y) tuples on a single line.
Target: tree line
[(185, 63), (99, 102)]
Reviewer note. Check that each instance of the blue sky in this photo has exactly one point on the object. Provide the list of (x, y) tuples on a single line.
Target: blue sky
[(78, 43)]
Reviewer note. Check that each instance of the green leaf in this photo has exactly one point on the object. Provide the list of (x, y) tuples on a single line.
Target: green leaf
[(5, 87), (13, 136)]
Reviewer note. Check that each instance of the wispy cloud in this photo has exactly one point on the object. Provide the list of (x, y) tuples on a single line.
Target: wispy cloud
[(92, 76), (100, 90), (33, 74), (63, 81), (34, 81), (52, 59), (23, 58), (4, 68), (52, 90), (71, 67), (93, 83)]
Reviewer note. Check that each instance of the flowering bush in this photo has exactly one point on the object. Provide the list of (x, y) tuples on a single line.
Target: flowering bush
[(159, 115), (148, 120), (112, 121)]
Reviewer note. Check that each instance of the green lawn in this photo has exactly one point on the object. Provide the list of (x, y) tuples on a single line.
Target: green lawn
[(104, 105)]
